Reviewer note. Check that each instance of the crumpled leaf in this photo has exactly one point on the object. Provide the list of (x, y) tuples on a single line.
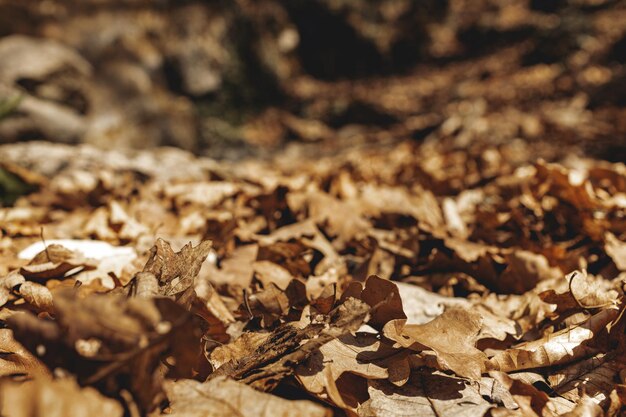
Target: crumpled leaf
[(176, 271), (452, 336)]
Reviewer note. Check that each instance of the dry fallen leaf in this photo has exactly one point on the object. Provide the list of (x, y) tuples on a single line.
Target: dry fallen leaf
[(561, 347), (452, 336), (427, 394), (222, 396), (17, 361), (361, 355), (54, 262), (176, 271), (63, 397)]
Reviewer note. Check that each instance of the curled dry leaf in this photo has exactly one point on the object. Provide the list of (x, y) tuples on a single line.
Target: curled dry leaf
[(583, 291), (564, 346), (54, 262), (7, 284), (37, 296)]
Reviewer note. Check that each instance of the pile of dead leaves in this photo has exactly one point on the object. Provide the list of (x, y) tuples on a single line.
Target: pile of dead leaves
[(423, 281)]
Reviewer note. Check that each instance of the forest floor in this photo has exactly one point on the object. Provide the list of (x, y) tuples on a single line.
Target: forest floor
[(421, 280), (445, 240)]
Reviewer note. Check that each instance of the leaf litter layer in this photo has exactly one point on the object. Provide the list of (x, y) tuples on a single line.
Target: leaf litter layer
[(363, 284)]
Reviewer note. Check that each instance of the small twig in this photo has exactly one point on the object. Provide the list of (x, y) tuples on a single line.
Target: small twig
[(246, 303), (45, 245)]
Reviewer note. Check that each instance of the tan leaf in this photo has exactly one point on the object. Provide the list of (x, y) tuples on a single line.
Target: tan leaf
[(452, 336), (422, 306), (204, 194), (237, 269), (15, 360), (146, 285), (348, 353), (586, 407), (62, 397), (584, 290), (7, 284), (222, 397), (37, 295), (592, 379), (268, 272), (531, 401), (524, 270), (497, 393), (436, 395), (209, 304)]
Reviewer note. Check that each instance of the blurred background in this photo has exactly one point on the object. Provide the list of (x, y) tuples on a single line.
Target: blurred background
[(241, 78)]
